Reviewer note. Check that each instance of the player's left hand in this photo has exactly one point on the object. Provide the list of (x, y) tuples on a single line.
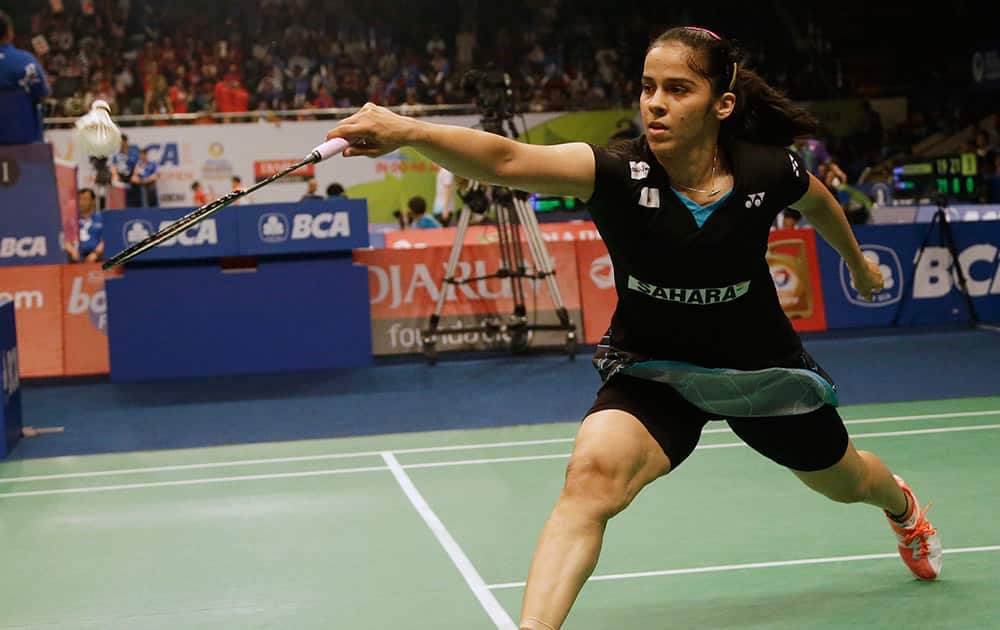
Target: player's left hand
[(867, 279)]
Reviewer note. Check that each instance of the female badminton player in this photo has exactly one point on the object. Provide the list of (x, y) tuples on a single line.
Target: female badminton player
[(698, 333)]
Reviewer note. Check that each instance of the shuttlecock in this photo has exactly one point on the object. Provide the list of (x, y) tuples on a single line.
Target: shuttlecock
[(96, 134)]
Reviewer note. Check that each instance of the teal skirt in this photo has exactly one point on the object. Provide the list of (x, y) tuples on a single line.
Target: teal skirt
[(730, 393)]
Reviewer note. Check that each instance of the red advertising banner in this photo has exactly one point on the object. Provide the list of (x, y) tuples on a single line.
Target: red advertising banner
[(597, 288), (794, 263), (37, 295), (66, 184), (116, 196), (405, 285), (85, 320), (262, 169)]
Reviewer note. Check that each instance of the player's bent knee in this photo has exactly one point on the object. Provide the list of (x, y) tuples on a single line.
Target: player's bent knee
[(593, 482)]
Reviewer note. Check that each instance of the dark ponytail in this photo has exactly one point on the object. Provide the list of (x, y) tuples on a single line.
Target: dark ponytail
[(762, 114)]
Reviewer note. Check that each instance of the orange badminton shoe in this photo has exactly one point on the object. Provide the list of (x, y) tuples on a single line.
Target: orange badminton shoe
[(919, 545)]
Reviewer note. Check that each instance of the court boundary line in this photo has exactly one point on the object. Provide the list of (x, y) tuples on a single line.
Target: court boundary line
[(191, 482), (750, 565), (475, 582), (428, 449), (465, 462)]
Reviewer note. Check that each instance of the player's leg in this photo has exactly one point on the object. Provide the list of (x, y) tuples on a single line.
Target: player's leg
[(625, 442), (816, 448)]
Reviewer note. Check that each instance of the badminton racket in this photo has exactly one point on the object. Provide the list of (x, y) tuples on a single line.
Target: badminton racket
[(320, 153)]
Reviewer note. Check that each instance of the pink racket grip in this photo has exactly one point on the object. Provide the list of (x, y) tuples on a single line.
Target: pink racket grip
[(328, 149)]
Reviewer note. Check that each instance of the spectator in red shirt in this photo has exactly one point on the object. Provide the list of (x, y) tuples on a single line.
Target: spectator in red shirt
[(178, 95), (239, 98), (223, 97), (323, 100), (200, 198)]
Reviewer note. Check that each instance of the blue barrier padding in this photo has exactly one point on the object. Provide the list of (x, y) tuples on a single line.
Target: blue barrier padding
[(30, 219), (10, 410), (314, 227), (926, 294), (176, 322)]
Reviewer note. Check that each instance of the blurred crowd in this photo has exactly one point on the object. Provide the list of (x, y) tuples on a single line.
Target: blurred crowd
[(158, 57), (226, 56)]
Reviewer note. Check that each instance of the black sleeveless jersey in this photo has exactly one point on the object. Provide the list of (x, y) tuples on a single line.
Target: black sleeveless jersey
[(701, 295)]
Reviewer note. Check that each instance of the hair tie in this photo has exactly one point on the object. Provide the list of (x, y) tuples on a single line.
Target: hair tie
[(703, 30)]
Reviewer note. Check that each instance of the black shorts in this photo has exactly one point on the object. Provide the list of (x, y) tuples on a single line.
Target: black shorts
[(807, 442)]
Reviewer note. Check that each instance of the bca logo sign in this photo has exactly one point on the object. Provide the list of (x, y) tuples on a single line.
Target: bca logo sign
[(135, 230), (323, 225), (937, 275), (204, 233), (892, 274), (23, 247), (602, 273), (272, 227)]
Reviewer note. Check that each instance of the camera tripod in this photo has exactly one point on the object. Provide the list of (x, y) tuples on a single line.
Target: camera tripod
[(512, 212), (947, 239)]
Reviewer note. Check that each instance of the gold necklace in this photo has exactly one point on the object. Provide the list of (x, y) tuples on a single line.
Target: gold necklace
[(712, 193)]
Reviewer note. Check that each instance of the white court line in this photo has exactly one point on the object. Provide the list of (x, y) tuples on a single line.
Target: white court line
[(751, 565), (191, 482), (486, 599), (429, 449), (465, 462), (281, 460), (492, 460)]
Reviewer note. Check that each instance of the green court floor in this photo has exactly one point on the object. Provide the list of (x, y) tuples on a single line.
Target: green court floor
[(436, 530)]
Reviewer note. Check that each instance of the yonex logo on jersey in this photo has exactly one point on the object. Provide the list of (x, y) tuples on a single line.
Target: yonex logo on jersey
[(754, 200), (795, 164), (690, 296), (639, 170), (650, 197)]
